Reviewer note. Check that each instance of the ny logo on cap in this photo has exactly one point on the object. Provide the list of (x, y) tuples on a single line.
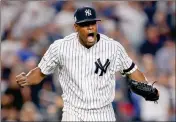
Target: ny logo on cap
[(88, 12)]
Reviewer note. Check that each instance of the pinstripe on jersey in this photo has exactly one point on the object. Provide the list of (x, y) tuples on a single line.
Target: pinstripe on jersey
[(82, 87)]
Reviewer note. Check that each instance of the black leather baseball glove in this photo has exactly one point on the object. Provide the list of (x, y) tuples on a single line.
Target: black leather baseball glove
[(143, 89)]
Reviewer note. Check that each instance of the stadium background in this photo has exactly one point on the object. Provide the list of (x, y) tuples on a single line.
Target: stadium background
[(146, 29)]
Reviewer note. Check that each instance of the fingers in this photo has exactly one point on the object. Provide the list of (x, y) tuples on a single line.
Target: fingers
[(20, 76), (21, 79), (21, 82), (24, 84)]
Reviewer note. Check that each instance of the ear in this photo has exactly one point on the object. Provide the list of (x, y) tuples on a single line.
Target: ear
[(76, 27)]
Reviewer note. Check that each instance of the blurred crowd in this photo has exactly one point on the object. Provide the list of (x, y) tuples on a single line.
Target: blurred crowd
[(146, 29)]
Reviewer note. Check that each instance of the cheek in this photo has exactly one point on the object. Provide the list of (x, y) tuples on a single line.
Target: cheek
[(83, 32)]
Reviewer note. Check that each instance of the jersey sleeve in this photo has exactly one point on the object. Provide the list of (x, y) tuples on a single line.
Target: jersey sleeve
[(127, 66), (50, 60)]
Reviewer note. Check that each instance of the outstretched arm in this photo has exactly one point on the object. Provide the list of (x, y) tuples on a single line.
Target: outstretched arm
[(137, 81), (34, 77), (137, 75), (46, 66)]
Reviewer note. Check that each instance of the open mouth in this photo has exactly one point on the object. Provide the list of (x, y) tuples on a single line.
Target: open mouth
[(91, 34), (90, 37)]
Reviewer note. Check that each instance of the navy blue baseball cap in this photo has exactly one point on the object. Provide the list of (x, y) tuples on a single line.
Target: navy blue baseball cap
[(85, 14)]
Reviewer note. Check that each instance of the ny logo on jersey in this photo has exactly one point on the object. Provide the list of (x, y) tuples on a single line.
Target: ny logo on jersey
[(88, 12), (103, 68)]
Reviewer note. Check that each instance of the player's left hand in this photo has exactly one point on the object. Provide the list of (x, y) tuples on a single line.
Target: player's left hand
[(147, 91)]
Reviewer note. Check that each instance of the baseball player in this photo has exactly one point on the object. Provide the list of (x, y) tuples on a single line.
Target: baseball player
[(86, 62)]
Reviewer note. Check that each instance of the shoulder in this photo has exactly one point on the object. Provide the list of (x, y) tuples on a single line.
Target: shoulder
[(64, 40), (110, 41), (70, 37)]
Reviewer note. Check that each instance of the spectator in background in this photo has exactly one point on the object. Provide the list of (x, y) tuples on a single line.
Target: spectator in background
[(157, 112), (13, 94), (25, 53), (108, 26), (57, 5), (169, 9), (149, 66), (29, 112), (163, 27), (149, 110), (105, 8), (64, 19), (9, 48), (12, 100), (153, 41), (42, 22), (7, 16), (53, 33), (132, 21), (149, 8), (50, 101), (165, 61), (10, 115), (5, 72), (172, 91), (165, 56), (38, 41), (35, 14)]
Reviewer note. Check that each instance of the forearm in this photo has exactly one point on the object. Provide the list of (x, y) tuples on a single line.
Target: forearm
[(143, 89), (137, 76), (35, 76)]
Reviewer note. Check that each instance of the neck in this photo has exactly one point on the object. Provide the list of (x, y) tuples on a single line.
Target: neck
[(81, 41)]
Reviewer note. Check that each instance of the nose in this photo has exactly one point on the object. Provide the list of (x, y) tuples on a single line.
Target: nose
[(90, 27)]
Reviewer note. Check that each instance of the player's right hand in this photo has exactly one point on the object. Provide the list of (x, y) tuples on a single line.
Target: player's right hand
[(21, 79)]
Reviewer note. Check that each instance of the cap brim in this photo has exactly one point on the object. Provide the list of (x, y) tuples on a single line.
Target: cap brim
[(87, 20)]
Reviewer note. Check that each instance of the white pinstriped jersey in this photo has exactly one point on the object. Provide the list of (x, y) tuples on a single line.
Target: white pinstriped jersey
[(87, 76)]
